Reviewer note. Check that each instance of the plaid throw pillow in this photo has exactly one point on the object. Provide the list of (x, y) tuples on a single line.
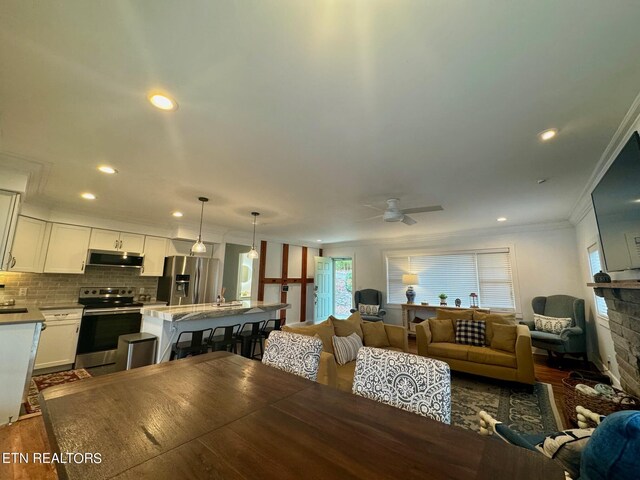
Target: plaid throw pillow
[(470, 332)]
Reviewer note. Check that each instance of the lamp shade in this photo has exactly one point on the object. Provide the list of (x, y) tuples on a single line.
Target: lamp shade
[(410, 279)]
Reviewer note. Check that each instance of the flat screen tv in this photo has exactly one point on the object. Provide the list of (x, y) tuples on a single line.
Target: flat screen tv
[(616, 202)]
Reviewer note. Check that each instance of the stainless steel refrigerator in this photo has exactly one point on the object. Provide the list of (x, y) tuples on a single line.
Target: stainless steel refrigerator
[(189, 280)]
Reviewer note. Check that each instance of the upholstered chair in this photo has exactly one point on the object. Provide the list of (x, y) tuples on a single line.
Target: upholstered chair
[(369, 296), (571, 340), (417, 384), (293, 353)]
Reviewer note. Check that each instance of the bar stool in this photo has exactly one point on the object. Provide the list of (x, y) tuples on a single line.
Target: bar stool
[(270, 326), (198, 344), (224, 338), (249, 335)]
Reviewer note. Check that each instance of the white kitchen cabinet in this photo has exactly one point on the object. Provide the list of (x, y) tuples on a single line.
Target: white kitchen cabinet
[(114, 241), (67, 250), (28, 251), (59, 340), (9, 209), (155, 250)]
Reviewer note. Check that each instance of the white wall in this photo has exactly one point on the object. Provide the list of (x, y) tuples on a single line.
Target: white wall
[(599, 341), (544, 260)]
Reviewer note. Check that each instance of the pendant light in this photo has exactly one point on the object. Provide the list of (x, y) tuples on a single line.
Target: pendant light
[(253, 253), (200, 247)]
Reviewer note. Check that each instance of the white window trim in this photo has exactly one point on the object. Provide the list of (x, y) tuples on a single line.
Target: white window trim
[(515, 276), (600, 318)]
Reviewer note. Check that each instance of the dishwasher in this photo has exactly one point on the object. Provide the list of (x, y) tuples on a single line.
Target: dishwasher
[(58, 339)]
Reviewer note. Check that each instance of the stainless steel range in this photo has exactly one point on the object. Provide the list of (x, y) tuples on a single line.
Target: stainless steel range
[(108, 313)]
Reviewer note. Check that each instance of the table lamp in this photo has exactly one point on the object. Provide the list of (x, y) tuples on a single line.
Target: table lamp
[(410, 279)]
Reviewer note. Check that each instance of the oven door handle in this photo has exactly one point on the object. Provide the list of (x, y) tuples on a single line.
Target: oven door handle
[(110, 311)]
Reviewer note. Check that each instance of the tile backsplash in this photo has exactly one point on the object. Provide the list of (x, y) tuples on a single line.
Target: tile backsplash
[(64, 288)]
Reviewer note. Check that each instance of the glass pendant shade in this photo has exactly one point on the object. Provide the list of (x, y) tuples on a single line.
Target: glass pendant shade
[(253, 253), (200, 247)]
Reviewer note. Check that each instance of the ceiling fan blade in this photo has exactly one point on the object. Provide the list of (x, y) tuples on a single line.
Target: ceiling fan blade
[(373, 207), (368, 218), (407, 220), (430, 208)]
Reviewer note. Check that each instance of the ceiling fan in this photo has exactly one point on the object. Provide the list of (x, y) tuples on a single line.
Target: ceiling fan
[(393, 213)]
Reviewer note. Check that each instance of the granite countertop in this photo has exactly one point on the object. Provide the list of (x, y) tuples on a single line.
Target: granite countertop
[(32, 315), (60, 306), (210, 310)]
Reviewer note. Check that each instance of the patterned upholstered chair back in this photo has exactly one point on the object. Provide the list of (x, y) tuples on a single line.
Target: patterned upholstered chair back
[(293, 353), (418, 384)]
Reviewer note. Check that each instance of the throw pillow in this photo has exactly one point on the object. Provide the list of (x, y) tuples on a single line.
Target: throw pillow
[(566, 447), (551, 324), (346, 348), (494, 318), (344, 328), (451, 314), (470, 332), (324, 330), (442, 330), (368, 309), (504, 337), (375, 335)]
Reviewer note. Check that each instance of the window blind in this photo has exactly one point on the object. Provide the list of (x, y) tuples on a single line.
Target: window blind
[(455, 274), (596, 266)]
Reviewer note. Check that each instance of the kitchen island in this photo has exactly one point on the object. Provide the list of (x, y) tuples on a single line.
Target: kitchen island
[(166, 323)]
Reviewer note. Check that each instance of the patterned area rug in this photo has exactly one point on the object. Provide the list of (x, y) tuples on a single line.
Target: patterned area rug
[(40, 382), (517, 406)]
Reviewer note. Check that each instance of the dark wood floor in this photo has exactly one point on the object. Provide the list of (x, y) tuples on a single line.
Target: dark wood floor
[(28, 434)]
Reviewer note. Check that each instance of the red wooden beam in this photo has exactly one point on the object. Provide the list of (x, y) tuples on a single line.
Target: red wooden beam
[(284, 275), (262, 268), (303, 288)]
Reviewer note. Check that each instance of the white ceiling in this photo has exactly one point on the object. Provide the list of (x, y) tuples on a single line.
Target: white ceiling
[(306, 111)]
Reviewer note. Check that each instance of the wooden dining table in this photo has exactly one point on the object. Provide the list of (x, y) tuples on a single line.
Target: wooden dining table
[(223, 416)]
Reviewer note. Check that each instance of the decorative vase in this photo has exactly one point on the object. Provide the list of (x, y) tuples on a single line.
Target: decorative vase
[(458, 302), (443, 303), (602, 277), (411, 294)]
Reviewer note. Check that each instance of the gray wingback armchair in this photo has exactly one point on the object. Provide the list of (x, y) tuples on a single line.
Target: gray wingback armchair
[(369, 296), (572, 340)]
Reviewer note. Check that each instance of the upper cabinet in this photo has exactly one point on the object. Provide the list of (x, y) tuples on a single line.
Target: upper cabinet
[(67, 250), (9, 209), (155, 249), (28, 251), (113, 241)]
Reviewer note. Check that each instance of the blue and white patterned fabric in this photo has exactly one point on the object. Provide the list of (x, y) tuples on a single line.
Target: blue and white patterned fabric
[(293, 353), (418, 384), (470, 332)]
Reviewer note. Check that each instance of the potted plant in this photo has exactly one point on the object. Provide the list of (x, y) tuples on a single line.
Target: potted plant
[(443, 299)]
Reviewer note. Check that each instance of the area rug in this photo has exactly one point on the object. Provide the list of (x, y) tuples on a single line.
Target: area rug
[(40, 382), (523, 409)]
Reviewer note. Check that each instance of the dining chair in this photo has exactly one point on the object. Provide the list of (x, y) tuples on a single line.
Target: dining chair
[(293, 353), (410, 382)]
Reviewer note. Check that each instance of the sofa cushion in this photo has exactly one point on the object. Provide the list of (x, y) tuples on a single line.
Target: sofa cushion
[(489, 356), (490, 319), (344, 328), (551, 324), (375, 335), (324, 330), (442, 330), (448, 350), (470, 332), (346, 348), (452, 314), (504, 337), (546, 337)]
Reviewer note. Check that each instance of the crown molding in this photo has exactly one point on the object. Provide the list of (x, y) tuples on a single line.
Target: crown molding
[(37, 171), (478, 232), (629, 123)]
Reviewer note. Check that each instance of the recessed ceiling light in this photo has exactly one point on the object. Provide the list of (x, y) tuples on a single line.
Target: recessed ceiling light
[(541, 181), (502, 219), (107, 169), (88, 196), (318, 240), (548, 134), (162, 101), (177, 214)]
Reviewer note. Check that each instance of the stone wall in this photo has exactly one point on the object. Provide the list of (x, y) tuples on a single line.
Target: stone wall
[(624, 321), (64, 288)]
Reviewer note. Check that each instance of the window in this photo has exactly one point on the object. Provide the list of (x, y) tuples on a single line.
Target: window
[(487, 273), (596, 266), (342, 287)]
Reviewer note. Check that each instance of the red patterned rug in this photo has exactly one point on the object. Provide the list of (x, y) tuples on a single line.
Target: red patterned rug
[(40, 382)]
